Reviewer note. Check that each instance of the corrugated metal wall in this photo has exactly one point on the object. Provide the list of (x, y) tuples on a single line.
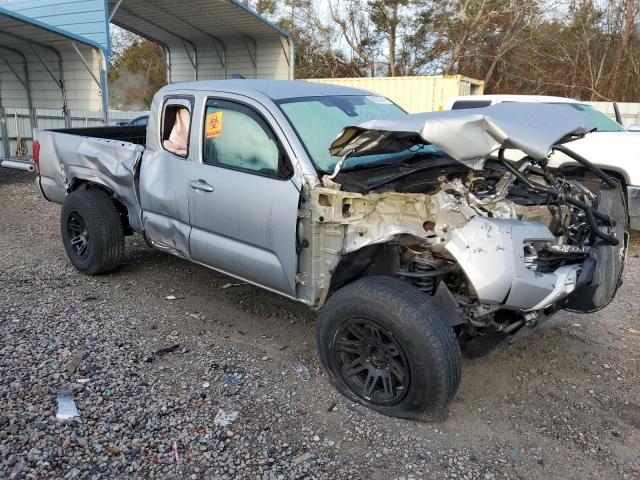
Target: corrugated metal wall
[(415, 94), (18, 126)]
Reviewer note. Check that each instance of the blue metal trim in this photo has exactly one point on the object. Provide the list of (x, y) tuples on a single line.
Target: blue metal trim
[(50, 28), (107, 30)]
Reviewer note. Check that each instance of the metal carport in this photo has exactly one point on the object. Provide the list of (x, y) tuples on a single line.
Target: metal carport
[(209, 39), (45, 74)]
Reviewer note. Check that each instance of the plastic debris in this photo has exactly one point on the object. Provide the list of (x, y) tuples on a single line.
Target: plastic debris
[(229, 285), (171, 297), (234, 380), (66, 406), (224, 419), (513, 452), (161, 353), (205, 385), (176, 455), (302, 371), (302, 458), (332, 407)]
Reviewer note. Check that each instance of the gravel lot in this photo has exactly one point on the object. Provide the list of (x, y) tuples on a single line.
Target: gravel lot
[(562, 403)]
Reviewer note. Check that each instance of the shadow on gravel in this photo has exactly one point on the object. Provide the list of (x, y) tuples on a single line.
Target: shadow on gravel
[(9, 176)]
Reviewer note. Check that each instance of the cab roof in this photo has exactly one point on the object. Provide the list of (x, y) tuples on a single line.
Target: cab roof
[(273, 89)]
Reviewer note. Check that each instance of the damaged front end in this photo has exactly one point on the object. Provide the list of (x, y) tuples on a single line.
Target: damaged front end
[(499, 245)]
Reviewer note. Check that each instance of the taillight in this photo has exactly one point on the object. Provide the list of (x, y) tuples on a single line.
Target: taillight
[(36, 155)]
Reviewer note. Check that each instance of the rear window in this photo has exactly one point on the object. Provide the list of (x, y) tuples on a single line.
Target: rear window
[(462, 104)]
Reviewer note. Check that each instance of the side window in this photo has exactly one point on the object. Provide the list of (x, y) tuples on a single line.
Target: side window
[(176, 121), (237, 137)]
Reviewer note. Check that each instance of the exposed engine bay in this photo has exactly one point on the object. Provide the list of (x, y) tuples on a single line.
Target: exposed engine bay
[(498, 248)]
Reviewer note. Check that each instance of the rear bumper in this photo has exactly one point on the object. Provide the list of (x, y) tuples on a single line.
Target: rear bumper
[(633, 204)]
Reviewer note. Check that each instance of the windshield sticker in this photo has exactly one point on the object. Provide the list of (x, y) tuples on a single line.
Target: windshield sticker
[(382, 100), (213, 125)]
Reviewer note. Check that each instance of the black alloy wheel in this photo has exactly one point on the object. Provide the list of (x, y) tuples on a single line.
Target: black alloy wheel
[(371, 361), (78, 235)]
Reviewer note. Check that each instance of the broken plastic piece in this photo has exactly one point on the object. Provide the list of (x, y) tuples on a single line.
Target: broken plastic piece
[(161, 353), (302, 371), (66, 406), (224, 419), (176, 455)]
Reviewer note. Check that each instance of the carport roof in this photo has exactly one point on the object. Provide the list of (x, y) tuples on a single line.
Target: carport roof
[(18, 31), (191, 20)]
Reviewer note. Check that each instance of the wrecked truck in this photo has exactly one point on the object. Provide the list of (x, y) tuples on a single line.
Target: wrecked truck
[(413, 235)]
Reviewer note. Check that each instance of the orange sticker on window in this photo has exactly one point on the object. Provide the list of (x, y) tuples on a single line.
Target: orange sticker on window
[(214, 125)]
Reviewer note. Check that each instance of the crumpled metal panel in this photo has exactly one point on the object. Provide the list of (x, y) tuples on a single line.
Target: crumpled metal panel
[(491, 253), (110, 163), (469, 136)]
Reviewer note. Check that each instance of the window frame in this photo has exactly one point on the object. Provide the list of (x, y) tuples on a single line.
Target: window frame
[(284, 162), (166, 102)]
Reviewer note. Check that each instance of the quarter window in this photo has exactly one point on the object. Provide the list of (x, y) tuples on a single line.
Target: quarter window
[(237, 137), (176, 123)]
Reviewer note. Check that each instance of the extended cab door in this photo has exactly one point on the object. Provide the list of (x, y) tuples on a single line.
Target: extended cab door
[(164, 173), (242, 201)]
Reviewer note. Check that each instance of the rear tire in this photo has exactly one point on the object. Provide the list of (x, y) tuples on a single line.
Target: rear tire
[(405, 354), (92, 231)]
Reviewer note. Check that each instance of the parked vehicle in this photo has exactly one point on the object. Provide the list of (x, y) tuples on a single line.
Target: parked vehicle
[(411, 234), (611, 147), (138, 121)]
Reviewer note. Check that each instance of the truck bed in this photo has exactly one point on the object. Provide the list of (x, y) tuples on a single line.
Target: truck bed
[(104, 156), (136, 134)]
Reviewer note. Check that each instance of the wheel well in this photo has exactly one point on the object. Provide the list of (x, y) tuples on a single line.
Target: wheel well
[(80, 184), (381, 259), (579, 170)]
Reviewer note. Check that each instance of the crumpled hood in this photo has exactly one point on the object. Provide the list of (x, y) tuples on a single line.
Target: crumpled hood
[(469, 136)]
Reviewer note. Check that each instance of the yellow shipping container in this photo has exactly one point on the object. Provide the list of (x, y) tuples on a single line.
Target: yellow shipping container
[(414, 94)]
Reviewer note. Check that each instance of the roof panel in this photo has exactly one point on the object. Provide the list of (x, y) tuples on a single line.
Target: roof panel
[(196, 19), (80, 18)]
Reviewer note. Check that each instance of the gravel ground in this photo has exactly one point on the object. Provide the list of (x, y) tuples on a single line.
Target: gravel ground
[(562, 403)]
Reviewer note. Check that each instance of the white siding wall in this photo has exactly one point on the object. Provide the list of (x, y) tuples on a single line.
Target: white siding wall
[(82, 92)]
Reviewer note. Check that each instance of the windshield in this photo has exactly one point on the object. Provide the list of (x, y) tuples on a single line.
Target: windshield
[(602, 122), (319, 120)]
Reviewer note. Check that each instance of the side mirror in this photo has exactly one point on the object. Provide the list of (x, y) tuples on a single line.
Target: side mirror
[(634, 128)]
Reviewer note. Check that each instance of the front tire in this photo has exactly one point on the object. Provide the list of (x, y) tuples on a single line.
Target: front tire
[(386, 346), (92, 231)]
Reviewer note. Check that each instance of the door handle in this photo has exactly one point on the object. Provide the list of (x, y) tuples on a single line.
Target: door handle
[(201, 185)]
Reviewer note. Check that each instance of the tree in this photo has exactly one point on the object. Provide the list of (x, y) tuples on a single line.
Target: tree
[(137, 72)]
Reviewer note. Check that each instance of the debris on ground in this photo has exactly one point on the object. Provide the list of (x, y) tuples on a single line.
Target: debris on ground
[(302, 371), (224, 419), (229, 285), (161, 353), (66, 406), (176, 455)]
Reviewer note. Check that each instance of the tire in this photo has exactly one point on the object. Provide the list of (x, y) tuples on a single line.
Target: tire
[(402, 328), (90, 218)]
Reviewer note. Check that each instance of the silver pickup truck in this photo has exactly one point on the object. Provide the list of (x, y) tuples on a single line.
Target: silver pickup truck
[(413, 235)]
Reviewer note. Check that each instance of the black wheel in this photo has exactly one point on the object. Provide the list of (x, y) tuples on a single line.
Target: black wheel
[(92, 231), (387, 347)]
